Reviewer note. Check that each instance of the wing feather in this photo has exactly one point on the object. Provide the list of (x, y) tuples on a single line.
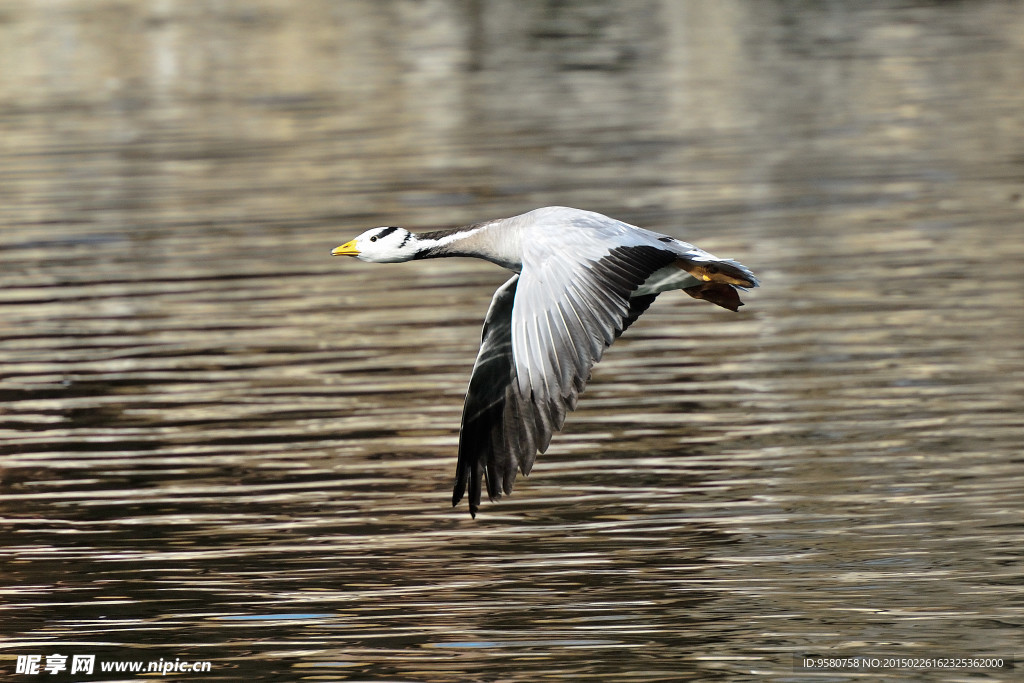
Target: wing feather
[(488, 425), (584, 281), (562, 320)]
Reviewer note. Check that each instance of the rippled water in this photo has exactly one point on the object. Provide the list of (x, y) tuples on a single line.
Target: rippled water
[(219, 444)]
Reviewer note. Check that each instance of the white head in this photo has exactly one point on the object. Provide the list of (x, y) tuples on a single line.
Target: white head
[(381, 245)]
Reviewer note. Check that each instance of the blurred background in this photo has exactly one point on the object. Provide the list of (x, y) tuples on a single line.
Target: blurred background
[(218, 443)]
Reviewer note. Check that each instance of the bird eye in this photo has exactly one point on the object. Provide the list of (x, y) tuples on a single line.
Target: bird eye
[(373, 239)]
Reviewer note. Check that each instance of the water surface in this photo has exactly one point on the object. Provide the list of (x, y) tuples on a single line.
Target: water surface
[(219, 444)]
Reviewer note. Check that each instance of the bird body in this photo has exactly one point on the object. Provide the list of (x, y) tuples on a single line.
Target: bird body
[(581, 279)]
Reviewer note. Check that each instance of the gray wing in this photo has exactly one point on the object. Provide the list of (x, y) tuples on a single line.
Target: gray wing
[(567, 312), (543, 334), (484, 436), (498, 433)]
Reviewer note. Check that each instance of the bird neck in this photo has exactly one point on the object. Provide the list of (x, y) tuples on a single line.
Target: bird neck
[(450, 242), (491, 241)]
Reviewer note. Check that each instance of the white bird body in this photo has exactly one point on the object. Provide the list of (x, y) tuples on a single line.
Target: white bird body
[(581, 279)]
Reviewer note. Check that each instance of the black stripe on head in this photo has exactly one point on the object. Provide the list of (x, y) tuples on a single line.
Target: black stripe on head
[(385, 232)]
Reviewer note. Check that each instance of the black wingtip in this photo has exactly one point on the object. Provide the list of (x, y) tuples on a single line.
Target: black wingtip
[(457, 498)]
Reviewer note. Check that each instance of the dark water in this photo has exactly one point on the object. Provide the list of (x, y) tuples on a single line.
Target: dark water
[(219, 444)]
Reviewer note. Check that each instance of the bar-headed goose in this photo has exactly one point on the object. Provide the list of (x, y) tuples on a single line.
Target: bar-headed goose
[(581, 279)]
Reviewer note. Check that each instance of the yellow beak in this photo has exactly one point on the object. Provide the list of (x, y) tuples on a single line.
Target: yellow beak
[(347, 249)]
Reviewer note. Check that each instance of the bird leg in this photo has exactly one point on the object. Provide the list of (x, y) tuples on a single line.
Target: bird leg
[(717, 293), (715, 271)]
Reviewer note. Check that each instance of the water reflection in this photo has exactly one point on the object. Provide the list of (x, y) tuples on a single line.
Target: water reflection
[(220, 444)]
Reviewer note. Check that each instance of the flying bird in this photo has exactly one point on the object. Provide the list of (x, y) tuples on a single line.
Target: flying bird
[(581, 278)]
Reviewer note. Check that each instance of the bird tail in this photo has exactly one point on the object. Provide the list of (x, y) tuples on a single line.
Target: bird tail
[(724, 271), (720, 280)]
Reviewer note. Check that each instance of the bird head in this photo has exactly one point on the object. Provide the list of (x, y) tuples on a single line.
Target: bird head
[(381, 245)]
